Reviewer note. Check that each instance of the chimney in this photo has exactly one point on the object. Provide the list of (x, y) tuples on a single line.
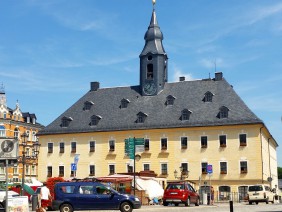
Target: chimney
[(181, 79), (94, 86), (218, 76)]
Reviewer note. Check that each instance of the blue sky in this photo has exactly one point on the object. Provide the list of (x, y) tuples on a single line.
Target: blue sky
[(51, 50)]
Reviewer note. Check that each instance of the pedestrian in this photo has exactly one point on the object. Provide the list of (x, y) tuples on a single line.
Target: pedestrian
[(45, 196), (212, 195)]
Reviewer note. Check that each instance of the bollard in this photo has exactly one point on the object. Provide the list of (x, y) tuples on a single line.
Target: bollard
[(231, 205), (34, 202)]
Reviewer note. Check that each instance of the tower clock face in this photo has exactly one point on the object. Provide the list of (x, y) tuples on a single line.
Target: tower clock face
[(149, 88), (7, 146)]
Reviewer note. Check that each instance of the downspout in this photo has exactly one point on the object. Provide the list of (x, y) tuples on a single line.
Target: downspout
[(269, 163), (261, 155)]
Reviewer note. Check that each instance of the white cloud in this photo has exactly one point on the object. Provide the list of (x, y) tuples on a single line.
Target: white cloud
[(179, 73)]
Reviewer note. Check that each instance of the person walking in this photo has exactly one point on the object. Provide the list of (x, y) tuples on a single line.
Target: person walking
[(45, 196), (212, 195)]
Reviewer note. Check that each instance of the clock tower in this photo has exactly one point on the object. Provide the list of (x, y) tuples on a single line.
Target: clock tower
[(153, 60)]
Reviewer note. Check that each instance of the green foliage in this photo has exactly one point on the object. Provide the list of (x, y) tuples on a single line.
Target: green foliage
[(279, 172)]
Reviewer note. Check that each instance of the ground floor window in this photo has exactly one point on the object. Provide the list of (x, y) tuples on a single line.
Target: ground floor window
[(224, 193), (242, 192)]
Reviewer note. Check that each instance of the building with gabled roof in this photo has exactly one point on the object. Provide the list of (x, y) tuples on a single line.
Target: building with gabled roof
[(187, 124)]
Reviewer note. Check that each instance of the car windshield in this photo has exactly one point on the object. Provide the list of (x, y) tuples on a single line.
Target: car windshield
[(175, 186), (255, 188)]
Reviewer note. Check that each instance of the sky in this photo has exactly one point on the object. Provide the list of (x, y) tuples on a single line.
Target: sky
[(51, 50)]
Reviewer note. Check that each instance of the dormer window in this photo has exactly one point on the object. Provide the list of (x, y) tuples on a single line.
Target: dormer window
[(66, 121), (88, 105), (124, 103), (141, 117), (95, 120), (223, 112), (170, 100), (185, 114), (208, 97)]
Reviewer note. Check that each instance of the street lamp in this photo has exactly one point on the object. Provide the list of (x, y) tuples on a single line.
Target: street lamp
[(23, 144), (24, 157), (183, 173)]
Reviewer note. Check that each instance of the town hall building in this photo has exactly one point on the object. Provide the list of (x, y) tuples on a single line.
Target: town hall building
[(187, 124)]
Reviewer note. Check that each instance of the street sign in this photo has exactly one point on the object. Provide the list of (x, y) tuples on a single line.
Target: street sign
[(129, 146), (73, 167), (209, 169)]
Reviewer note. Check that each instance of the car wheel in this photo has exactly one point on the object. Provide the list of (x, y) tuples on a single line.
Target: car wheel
[(256, 202), (250, 203), (187, 203), (126, 207), (176, 204), (2, 205), (165, 203), (267, 201), (66, 208), (198, 202)]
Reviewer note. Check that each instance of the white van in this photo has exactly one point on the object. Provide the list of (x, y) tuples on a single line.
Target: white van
[(260, 193)]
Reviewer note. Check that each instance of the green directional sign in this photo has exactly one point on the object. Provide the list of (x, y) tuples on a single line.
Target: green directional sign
[(129, 146)]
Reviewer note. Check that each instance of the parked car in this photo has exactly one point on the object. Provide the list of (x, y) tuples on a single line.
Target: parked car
[(70, 196), (178, 192), (3, 197), (260, 193)]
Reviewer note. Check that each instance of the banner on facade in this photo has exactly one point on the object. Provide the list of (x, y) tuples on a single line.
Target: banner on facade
[(8, 148)]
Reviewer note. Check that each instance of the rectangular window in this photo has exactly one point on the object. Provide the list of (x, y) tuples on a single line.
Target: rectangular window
[(72, 173), (204, 141), (112, 145), (73, 147), (184, 168), (222, 140), (164, 143), (92, 146), (50, 147), (62, 147), (33, 170), (147, 144), (92, 170), (243, 139), (164, 169), (61, 171), (111, 169), (15, 170), (2, 170), (129, 169), (26, 169), (146, 167), (223, 167), (244, 167), (204, 168), (184, 142), (49, 171)]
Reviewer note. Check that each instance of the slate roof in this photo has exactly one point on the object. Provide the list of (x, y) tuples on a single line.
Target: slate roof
[(188, 95)]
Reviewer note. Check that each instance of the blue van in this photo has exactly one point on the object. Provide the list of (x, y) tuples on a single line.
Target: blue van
[(71, 196)]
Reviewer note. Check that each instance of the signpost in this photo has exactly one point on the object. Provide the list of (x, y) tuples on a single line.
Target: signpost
[(133, 145), (209, 170), (74, 165)]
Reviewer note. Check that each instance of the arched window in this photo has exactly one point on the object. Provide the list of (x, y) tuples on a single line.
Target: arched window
[(2, 131), (16, 133), (150, 74)]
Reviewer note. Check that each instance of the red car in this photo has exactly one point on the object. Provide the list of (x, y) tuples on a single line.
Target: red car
[(178, 192)]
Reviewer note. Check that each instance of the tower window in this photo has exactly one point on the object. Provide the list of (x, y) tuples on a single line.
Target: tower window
[(150, 74), (150, 57)]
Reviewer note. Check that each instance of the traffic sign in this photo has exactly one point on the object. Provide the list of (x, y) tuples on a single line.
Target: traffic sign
[(209, 169), (73, 167)]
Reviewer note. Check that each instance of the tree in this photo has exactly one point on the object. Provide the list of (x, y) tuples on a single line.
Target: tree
[(279, 172)]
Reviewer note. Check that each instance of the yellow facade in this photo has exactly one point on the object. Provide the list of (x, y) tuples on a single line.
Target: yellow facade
[(257, 153)]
